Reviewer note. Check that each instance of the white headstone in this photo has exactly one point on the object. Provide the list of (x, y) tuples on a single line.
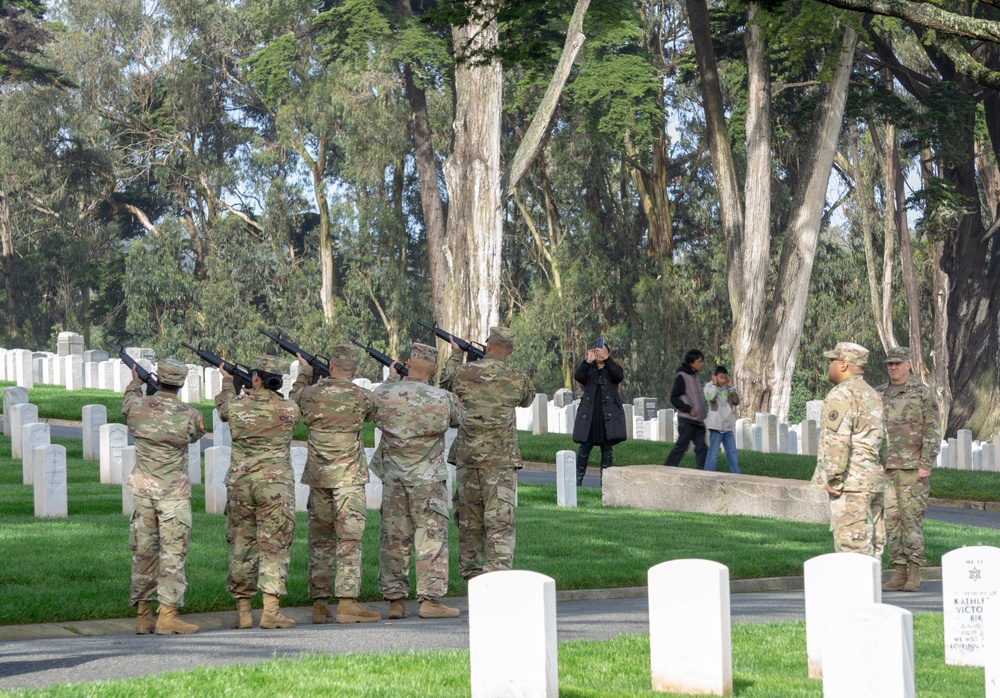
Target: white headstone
[(562, 397), (12, 396), (94, 417), (8, 373), (645, 407), (629, 423), (128, 464), (852, 579), (373, 489), (741, 441), (49, 369), (213, 382), (121, 375), (38, 370), (299, 457), (191, 391), (989, 457), (970, 579), (964, 451), (540, 414), (286, 385), (690, 642), (977, 457), (868, 651), (34, 435), (809, 432), (566, 478), (112, 438), (94, 356), (953, 453), (216, 468), (23, 368), (194, 463), (141, 353), (512, 646), (756, 437), (90, 375), (793, 442), (104, 376), (3, 364), (69, 343), (365, 383), (221, 435), (768, 424), (665, 425), (73, 372), (814, 410), (20, 414), (49, 481), (992, 640), (638, 427), (783, 438)]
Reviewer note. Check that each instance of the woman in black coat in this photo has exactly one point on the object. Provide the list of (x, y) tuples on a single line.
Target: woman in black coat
[(601, 417)]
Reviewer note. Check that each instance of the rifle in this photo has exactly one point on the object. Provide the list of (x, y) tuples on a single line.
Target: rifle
[(474, 350), (242, 376), (384, 359), (145, 376), (320, 364)]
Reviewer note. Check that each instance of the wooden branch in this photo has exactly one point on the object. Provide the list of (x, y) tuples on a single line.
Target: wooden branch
[(531, 144), (140, 216), (778, 89), (967, 65), (926, 15)]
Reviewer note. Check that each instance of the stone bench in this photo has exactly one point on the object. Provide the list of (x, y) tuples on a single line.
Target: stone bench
[(662, 488)]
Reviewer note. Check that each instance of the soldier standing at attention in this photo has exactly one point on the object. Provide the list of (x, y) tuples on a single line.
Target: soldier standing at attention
[(260, 503), (849, 463), (913, 425), (335, 409), (414, 417), (160, 532), (487, 453)]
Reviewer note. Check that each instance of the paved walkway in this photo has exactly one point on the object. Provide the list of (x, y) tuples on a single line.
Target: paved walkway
[(42, 662)]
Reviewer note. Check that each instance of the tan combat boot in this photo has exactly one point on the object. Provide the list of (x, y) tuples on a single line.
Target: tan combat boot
[(272, 617), (912, 577), (169, 623), (432, 608), (144, 623), (350, 611), (396, 609), (321, 612), (244, 619), (897, 581)]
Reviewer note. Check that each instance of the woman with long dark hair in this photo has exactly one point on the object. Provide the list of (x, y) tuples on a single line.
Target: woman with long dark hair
[(600, 420)]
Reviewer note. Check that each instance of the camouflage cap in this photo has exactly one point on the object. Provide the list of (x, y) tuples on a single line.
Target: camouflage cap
[(171, 372), (501, 335), (850, 352), (424, 352), (897, 355), (344, 352), (272, 364)]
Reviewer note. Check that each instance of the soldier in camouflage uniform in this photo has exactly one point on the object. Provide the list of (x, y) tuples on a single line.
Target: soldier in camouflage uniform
[(160, 533), (335, 409), (260, 503), (913, 425), (487, 453), (851, 447), (410, 459)]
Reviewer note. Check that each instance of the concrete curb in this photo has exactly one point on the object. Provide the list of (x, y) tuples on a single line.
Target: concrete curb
[(215, 620)]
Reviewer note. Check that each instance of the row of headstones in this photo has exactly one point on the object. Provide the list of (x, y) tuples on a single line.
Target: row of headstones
[(962, 452), (855, 644)]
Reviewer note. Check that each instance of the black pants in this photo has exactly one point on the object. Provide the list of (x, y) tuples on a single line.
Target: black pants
[(583, 455), (689, 431)]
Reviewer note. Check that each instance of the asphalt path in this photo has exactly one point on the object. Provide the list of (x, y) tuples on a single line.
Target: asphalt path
[(43, 662)]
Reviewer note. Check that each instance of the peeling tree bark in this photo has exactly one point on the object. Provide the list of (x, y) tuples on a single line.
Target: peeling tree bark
[(7, 251)]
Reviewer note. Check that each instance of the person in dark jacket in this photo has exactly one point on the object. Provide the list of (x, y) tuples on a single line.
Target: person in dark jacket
[(688, 398), (601, 418)]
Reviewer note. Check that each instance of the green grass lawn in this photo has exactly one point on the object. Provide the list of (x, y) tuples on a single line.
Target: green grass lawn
[(78, 568), (769, 661)]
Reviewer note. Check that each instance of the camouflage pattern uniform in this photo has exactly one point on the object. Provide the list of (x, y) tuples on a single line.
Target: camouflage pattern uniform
[(260, 506), (160, 531), (913, 424), (335, 409), (414, 417), (488, 457), (851, 447)]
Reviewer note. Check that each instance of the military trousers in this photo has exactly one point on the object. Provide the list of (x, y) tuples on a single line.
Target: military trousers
[(414, 519), (484, 506), (336, 524), (260, 526), (857, 524), (159, 536), (905, 506)]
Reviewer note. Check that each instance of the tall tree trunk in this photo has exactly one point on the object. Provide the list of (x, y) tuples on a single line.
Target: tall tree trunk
[(939, 341), (890, 162), (7, 251), (474, 233), (909, 274), (776, 355)]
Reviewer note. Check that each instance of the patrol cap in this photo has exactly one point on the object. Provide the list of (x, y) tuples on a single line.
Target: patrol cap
[(268, 363), (344, 352), (850, 352), (171, 372), (897, 355), (501, 335), (424, 352)]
